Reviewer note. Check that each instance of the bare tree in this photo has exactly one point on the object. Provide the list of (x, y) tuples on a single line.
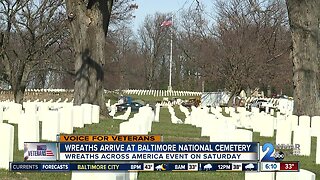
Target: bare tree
[(154, 39), (304, 18), (30, 36), (123, 38), (195, 46), (252, 42)]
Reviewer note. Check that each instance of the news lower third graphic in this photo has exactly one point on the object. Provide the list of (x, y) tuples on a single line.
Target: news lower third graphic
[(83, 153), (40, 151), (159, 151)]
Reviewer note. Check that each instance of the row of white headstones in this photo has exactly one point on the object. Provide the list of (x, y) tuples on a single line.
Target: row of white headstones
[(56, 118), (59, 118), (225, 129), (131, 91), (221, 128), (140, 123), (49, 90), (161, 92)]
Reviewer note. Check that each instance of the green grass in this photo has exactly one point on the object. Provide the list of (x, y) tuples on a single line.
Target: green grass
[(171, 132)]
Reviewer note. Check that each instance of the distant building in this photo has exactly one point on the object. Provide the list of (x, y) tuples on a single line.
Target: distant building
[(214, 98)]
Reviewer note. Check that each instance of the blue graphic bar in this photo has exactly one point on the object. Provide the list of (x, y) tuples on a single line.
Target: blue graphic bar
[(66, 167), (160, 147)]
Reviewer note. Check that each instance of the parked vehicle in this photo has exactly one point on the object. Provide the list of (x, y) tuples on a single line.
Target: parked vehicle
[(124, 99), (192, 102), (261, 104), (124, 106)]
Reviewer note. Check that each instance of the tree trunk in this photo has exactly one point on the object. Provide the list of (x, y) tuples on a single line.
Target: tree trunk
[(304, 24), (233, 94), (89, 21), (39, 80), (18, 81), (18, 94)]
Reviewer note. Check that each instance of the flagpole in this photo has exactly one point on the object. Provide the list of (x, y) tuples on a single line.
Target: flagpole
[(170, 62)]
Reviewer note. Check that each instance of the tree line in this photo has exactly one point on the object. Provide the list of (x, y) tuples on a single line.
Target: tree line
[(64, 44), (241, 45)]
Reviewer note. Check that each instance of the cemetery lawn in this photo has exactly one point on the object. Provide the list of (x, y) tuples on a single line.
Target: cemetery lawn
[(171, 133)]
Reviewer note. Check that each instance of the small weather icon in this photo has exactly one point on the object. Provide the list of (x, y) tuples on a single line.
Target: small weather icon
[(249, 166), (161, 167), (207, 167)]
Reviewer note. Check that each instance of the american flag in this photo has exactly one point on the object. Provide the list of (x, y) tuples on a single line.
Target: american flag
[(44, 148), (167, 22), (49, 153)]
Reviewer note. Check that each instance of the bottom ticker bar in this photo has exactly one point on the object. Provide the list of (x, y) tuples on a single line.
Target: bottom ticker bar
[(62, 167)]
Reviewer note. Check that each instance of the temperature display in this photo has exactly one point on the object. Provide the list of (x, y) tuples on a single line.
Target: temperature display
[(289, 166)]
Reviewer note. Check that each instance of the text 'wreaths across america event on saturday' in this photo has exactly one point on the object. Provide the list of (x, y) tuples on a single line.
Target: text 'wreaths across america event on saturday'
[(159, 151)]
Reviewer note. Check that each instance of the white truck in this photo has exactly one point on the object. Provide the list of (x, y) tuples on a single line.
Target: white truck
[(262, 104)]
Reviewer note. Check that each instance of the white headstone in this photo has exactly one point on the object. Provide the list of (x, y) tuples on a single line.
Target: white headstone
[(271, 111), (13, 113), (304, 121), (1, 114), (108, 104), (209, 120), (66, 120), (294, 121), (28, 129), (127, 128), (51, 126), (176, 120), (302, 175), (171, 110), (124, 175), (220, 109), (283, 135), (267, 109), (87, 113), (241, 135), (227, 110), (113, 110), (157, 113), (30, 108), (255, 110), (315, 126), (266, 126), (95, 113), (42, 111), (257, 121), (78, 117), (259, 175), (209, 126), (98, 175), (7, 141), (302, 136), (221, 133), (124, 116)]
